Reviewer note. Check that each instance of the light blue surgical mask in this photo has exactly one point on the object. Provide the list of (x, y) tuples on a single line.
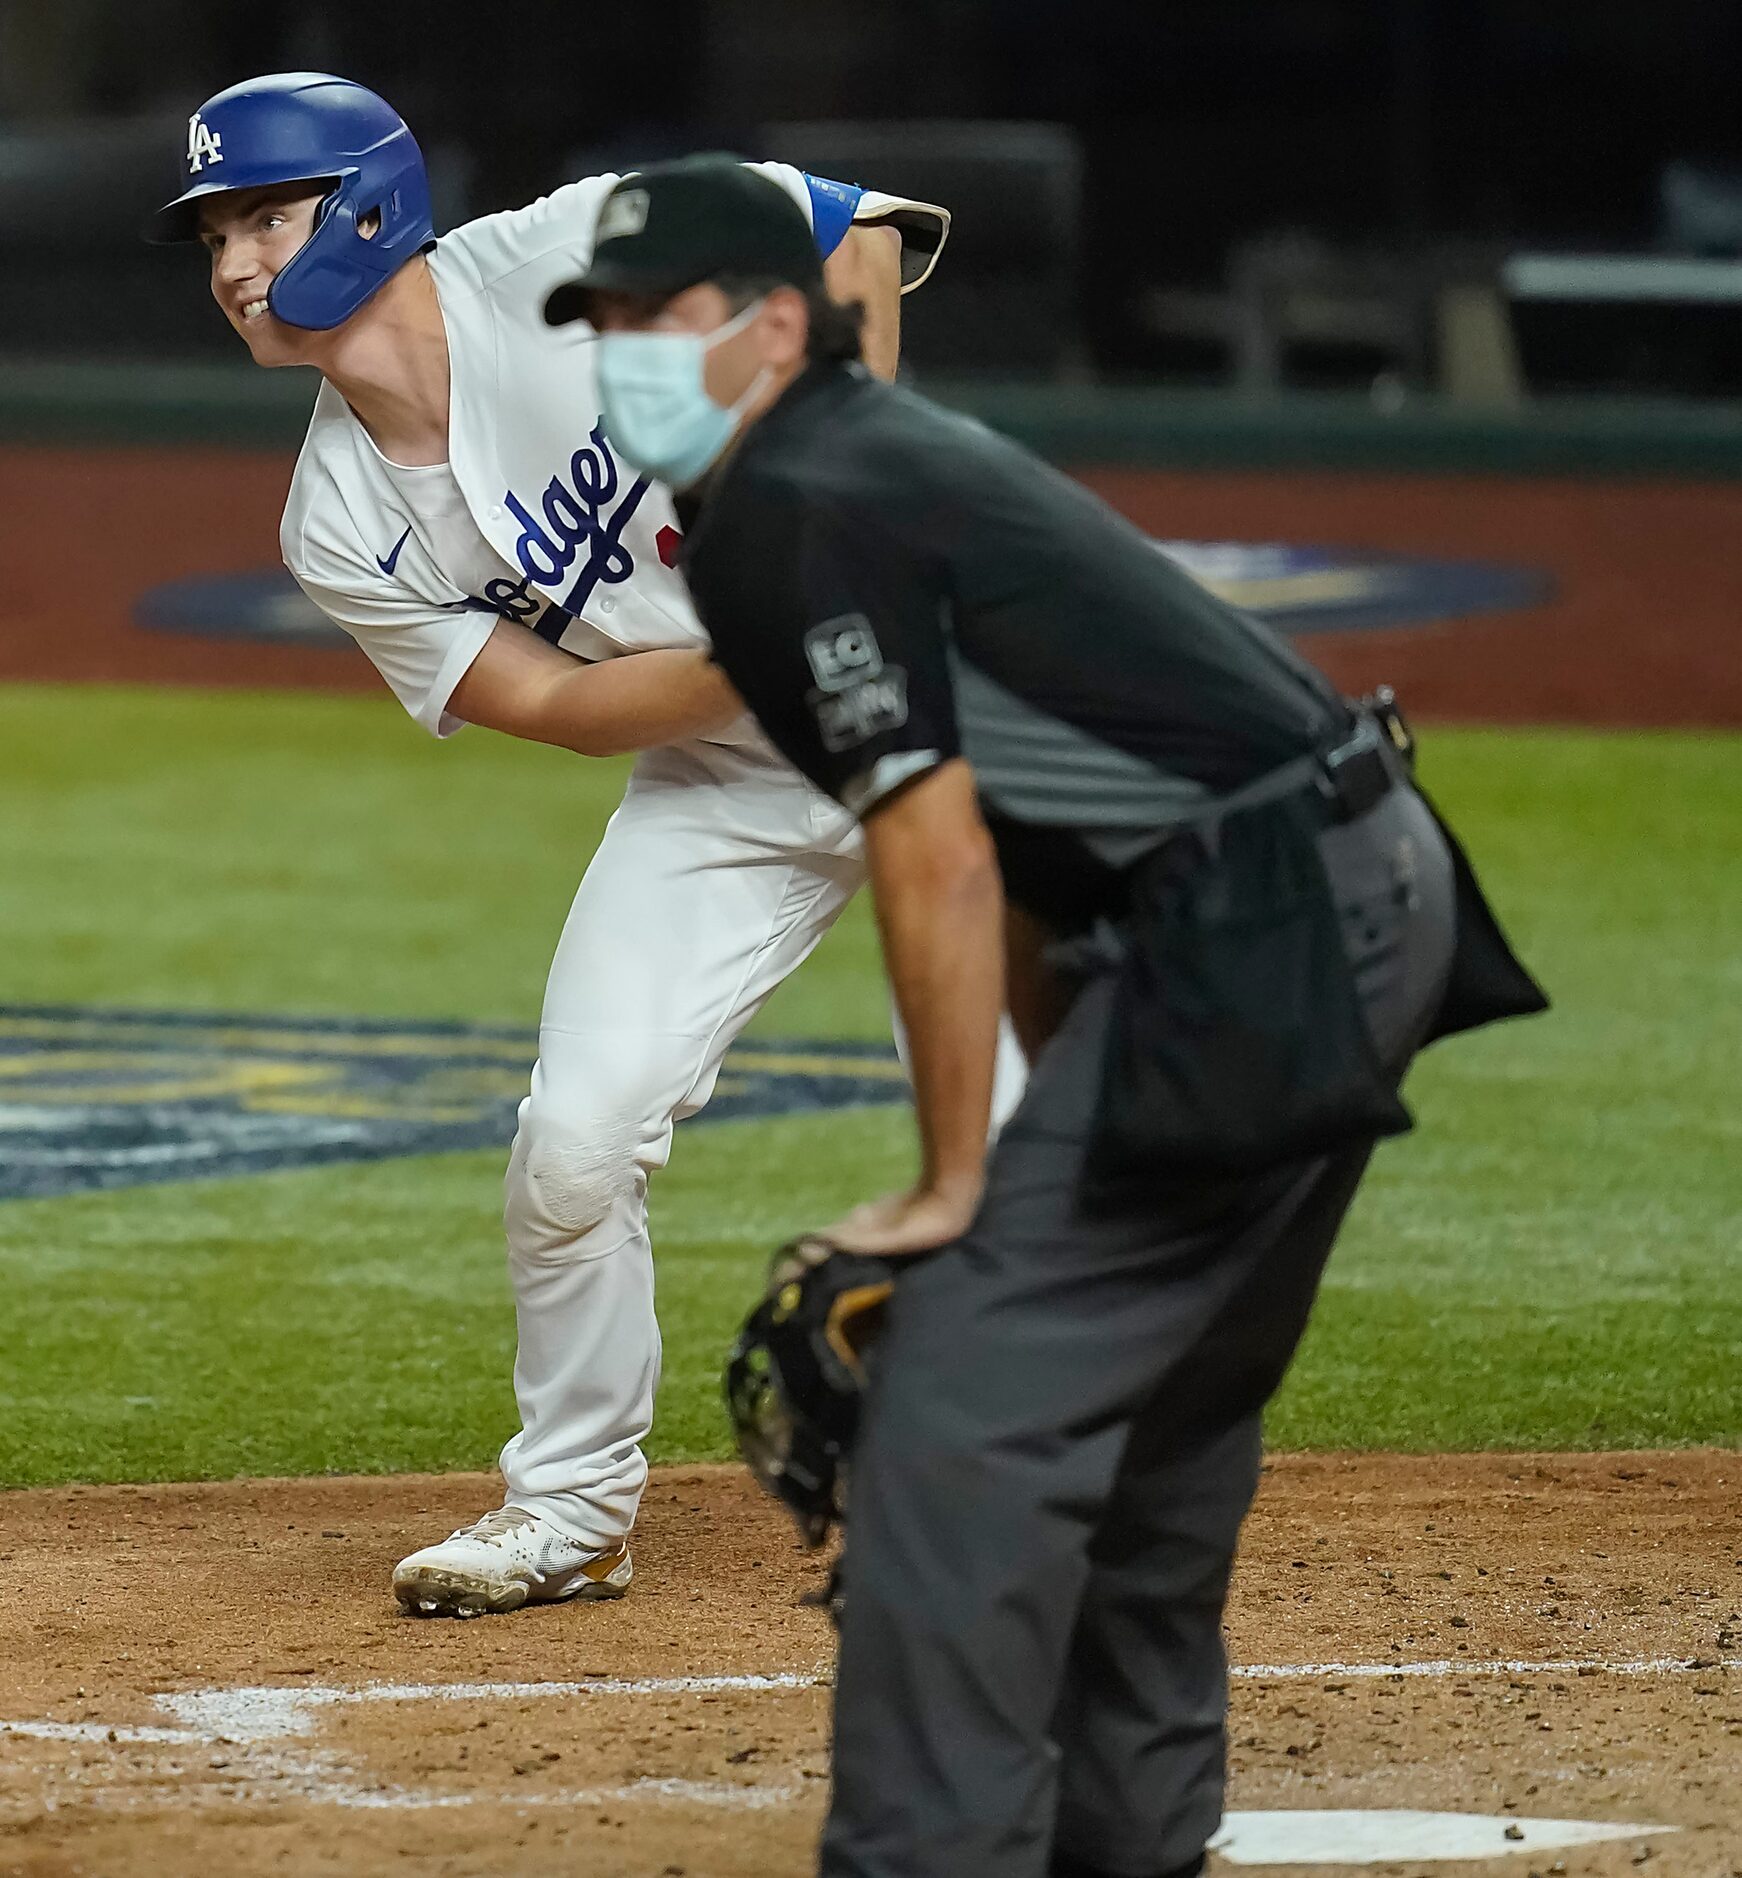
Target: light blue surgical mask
[(658, 415)]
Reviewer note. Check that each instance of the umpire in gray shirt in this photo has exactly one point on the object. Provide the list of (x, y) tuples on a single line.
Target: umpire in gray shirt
[(1224, 919)]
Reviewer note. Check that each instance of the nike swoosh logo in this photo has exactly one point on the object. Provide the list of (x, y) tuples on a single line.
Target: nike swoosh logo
[(387, 566)]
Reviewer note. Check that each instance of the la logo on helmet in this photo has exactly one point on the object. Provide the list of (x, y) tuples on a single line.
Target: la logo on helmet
[(204, 144)]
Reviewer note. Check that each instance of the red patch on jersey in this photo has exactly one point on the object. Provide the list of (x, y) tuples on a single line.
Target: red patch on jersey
[(668, 541)]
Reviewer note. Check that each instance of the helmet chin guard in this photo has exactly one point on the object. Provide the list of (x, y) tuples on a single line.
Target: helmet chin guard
[(309, 127)]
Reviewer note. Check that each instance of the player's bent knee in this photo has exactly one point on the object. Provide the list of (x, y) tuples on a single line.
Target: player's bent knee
[(565, 1185)]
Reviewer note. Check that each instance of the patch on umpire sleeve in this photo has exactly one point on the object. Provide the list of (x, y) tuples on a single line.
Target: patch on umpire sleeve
[(856, 696)]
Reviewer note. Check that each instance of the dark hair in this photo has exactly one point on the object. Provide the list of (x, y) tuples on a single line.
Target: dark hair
[(834, 325)]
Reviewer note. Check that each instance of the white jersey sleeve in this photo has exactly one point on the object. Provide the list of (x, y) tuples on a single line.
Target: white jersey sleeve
[(421, 646), (499, 245), (832, 208)]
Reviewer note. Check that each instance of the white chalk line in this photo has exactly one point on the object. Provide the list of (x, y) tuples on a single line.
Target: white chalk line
[(252, 1717), (270, 1713), (716, 1793), (275, 1713), (249, 1719), (101, 1731), (1488, 1666)]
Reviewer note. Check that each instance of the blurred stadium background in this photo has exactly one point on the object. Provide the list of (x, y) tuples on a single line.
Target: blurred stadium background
[(1450, 195), (1416, 323)]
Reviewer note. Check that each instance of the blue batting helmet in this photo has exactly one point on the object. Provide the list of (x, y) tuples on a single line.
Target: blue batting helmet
[(309, 127)]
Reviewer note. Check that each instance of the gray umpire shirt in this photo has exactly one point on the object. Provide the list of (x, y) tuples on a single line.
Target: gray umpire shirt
[(891, 585)]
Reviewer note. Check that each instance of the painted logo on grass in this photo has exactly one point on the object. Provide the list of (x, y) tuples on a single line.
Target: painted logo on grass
[(91, 1100), (1297, 589), (1321, 590)]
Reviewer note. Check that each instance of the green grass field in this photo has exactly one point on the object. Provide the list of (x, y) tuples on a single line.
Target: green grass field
[(1550, 1261)]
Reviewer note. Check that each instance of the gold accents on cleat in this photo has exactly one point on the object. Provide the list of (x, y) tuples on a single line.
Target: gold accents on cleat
[(507, 1559), (610, 1574)]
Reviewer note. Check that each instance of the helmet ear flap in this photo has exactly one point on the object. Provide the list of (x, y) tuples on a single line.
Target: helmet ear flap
[(314, 289), (340, 265)]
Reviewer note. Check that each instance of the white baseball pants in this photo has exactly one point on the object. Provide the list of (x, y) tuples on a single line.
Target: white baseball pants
[(716, 878)]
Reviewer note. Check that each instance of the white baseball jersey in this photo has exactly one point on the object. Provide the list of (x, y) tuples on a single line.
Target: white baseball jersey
[(717, 875), (532, 518)]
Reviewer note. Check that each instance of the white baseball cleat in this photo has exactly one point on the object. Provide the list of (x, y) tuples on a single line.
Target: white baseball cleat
[(509, 1558)]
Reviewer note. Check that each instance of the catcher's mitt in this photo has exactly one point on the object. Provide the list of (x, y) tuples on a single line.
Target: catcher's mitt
[(796, 1372)]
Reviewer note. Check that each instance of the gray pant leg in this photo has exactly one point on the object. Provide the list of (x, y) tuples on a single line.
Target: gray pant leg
[(1013, 1375), (1144, 1744), (1009, 1380), (971, 1507), (1141, 1721), (1141, 1727)]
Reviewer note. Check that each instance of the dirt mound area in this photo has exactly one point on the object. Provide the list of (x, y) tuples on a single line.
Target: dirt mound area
[(216, 1678)]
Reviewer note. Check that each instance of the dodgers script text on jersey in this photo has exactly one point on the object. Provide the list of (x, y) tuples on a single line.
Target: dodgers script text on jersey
[(576, 516), (532, 518)]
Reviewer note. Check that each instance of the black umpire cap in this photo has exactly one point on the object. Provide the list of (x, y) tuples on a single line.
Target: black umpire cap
[(673, 225)]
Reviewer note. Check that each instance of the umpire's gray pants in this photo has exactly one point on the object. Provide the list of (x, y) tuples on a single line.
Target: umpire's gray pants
[(1059, 1447)]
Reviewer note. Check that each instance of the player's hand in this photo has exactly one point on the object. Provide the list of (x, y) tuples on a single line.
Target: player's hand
[(920, 1220)]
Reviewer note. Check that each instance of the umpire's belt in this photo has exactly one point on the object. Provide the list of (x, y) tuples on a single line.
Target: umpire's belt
[(1341, 781)]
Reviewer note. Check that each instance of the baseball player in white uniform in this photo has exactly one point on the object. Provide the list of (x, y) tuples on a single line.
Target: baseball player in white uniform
[(458, 509)]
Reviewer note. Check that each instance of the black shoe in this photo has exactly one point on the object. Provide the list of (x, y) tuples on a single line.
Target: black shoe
[(1064, 1866)]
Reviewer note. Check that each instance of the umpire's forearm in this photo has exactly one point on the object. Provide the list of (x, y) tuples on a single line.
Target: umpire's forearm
[(940, 911)]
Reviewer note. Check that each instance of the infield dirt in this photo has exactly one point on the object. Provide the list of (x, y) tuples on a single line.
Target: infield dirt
[(121, 1601)]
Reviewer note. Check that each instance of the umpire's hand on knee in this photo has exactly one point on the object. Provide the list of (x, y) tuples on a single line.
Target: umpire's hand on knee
[(919, 1220)]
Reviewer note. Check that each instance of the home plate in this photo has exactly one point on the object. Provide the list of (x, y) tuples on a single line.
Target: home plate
[(1374, 1838)]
